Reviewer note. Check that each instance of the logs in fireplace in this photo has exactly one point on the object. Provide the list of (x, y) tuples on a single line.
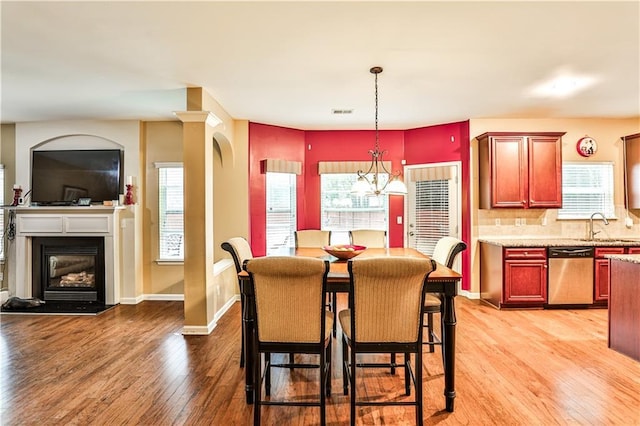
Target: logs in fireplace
[(70, 269)]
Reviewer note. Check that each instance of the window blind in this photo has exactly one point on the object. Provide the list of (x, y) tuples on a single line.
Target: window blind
[(587, 188), (432, 218), (171, 211), (281, 210)]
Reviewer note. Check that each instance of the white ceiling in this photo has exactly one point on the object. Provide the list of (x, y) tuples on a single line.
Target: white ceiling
[(291, 63)]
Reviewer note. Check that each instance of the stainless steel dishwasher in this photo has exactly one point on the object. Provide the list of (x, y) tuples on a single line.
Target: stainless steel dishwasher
[(570, 275)]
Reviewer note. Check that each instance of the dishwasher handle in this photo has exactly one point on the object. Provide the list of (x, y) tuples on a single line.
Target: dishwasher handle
[(568, 252)]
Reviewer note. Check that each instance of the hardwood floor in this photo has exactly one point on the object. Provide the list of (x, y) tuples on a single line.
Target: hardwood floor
[(131, 365)]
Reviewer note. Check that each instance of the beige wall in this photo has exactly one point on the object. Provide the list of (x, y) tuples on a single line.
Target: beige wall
[(8, 160), (543, 222), (231, 194), (163, 142)]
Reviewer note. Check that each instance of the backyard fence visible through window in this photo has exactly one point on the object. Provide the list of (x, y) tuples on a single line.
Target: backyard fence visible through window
[(342, 210)]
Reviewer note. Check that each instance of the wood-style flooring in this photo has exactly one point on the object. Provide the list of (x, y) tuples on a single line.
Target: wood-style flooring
[(132, 366)]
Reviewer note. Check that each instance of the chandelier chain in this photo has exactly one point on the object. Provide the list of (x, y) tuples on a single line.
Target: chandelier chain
[(376, 121), (373, 185)]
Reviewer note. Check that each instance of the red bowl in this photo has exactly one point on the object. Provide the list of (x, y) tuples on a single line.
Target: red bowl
[(344, 251)]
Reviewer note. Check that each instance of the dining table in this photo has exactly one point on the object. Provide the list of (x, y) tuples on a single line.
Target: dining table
[(443, 281)]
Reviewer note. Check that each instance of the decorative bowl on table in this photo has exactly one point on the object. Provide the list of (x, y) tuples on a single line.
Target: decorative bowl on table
[(344, 251)]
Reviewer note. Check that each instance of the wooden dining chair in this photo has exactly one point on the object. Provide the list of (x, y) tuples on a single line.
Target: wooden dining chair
[(445, 253), (370, 238), (240, 251), (290, 317), (385, 316)]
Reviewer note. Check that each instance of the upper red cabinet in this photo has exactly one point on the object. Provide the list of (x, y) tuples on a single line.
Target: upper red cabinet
[(632, 170), (520, 170)]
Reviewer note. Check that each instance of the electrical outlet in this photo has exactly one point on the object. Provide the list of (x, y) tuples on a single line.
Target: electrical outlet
[(497, 221), (523, 221), (517, 221)]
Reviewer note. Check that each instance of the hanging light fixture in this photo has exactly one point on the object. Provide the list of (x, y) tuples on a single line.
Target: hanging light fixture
[(371, 185)]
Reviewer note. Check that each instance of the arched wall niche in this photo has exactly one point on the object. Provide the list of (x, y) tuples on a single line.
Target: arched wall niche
[(224, 148), (78, 141)]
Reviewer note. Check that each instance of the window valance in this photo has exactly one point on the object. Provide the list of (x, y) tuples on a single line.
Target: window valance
[(347, 166), (431, 173), (281, 166)]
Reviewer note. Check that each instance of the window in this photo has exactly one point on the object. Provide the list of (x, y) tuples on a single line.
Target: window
[(587, 188), (342, 211), (170, 211), (281, 210)]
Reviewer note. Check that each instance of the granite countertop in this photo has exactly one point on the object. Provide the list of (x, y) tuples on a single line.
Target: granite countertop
[(632, 258), (560, 242)]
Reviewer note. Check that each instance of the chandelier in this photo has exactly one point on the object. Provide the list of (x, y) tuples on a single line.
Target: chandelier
[(369, 182)]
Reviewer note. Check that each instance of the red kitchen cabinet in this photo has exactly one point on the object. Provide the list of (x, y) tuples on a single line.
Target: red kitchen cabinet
[(601, 273), (525, 276), (520, 170), (632, 168)]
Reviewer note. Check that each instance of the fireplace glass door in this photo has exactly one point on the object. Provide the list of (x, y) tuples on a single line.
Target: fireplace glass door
[(69, 269)]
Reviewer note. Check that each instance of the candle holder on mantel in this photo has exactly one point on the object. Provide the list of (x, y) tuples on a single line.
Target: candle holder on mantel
[(17, 192), (128, 198)]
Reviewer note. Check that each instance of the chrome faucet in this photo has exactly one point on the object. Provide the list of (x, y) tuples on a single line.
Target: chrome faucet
[(593, 233)]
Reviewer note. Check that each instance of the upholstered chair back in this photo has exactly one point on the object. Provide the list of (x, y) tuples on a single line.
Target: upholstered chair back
[(312, 238), (446, 250), (289, 298), (240, 250), (387, 298), (370, 238)]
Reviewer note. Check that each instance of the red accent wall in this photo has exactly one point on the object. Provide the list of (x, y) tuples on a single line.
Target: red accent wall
[(350, 145), (417, 146), (269, 142), (442, 143)]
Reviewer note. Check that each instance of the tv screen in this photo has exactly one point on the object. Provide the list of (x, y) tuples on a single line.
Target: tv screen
[(62, 177)]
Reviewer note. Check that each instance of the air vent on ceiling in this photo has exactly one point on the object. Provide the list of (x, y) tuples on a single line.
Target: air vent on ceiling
[(341, 111)]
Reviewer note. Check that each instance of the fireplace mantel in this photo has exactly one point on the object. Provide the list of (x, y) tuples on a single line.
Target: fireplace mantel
[(89, 221)]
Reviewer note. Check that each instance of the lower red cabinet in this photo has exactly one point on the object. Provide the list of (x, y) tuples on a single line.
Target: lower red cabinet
[(525, 276)]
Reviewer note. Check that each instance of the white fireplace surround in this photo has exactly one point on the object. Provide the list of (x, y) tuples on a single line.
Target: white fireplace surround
[(90, 221)]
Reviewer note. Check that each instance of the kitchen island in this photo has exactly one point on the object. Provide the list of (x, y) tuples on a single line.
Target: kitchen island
[(624, 305)]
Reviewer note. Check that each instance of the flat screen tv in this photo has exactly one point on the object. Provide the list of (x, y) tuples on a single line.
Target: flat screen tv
[(62, 177)]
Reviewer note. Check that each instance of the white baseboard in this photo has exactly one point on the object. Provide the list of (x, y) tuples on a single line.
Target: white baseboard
[(131, 300), (469, 295), (165, 297), (199, 330)]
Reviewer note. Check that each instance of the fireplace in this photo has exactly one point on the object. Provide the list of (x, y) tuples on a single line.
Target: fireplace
[(95, 231), (70, 269)]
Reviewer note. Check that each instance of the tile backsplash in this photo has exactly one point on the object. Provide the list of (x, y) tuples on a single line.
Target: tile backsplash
[(541, 223)]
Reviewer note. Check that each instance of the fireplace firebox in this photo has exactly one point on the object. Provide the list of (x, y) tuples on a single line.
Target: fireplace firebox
[(70, 269)]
